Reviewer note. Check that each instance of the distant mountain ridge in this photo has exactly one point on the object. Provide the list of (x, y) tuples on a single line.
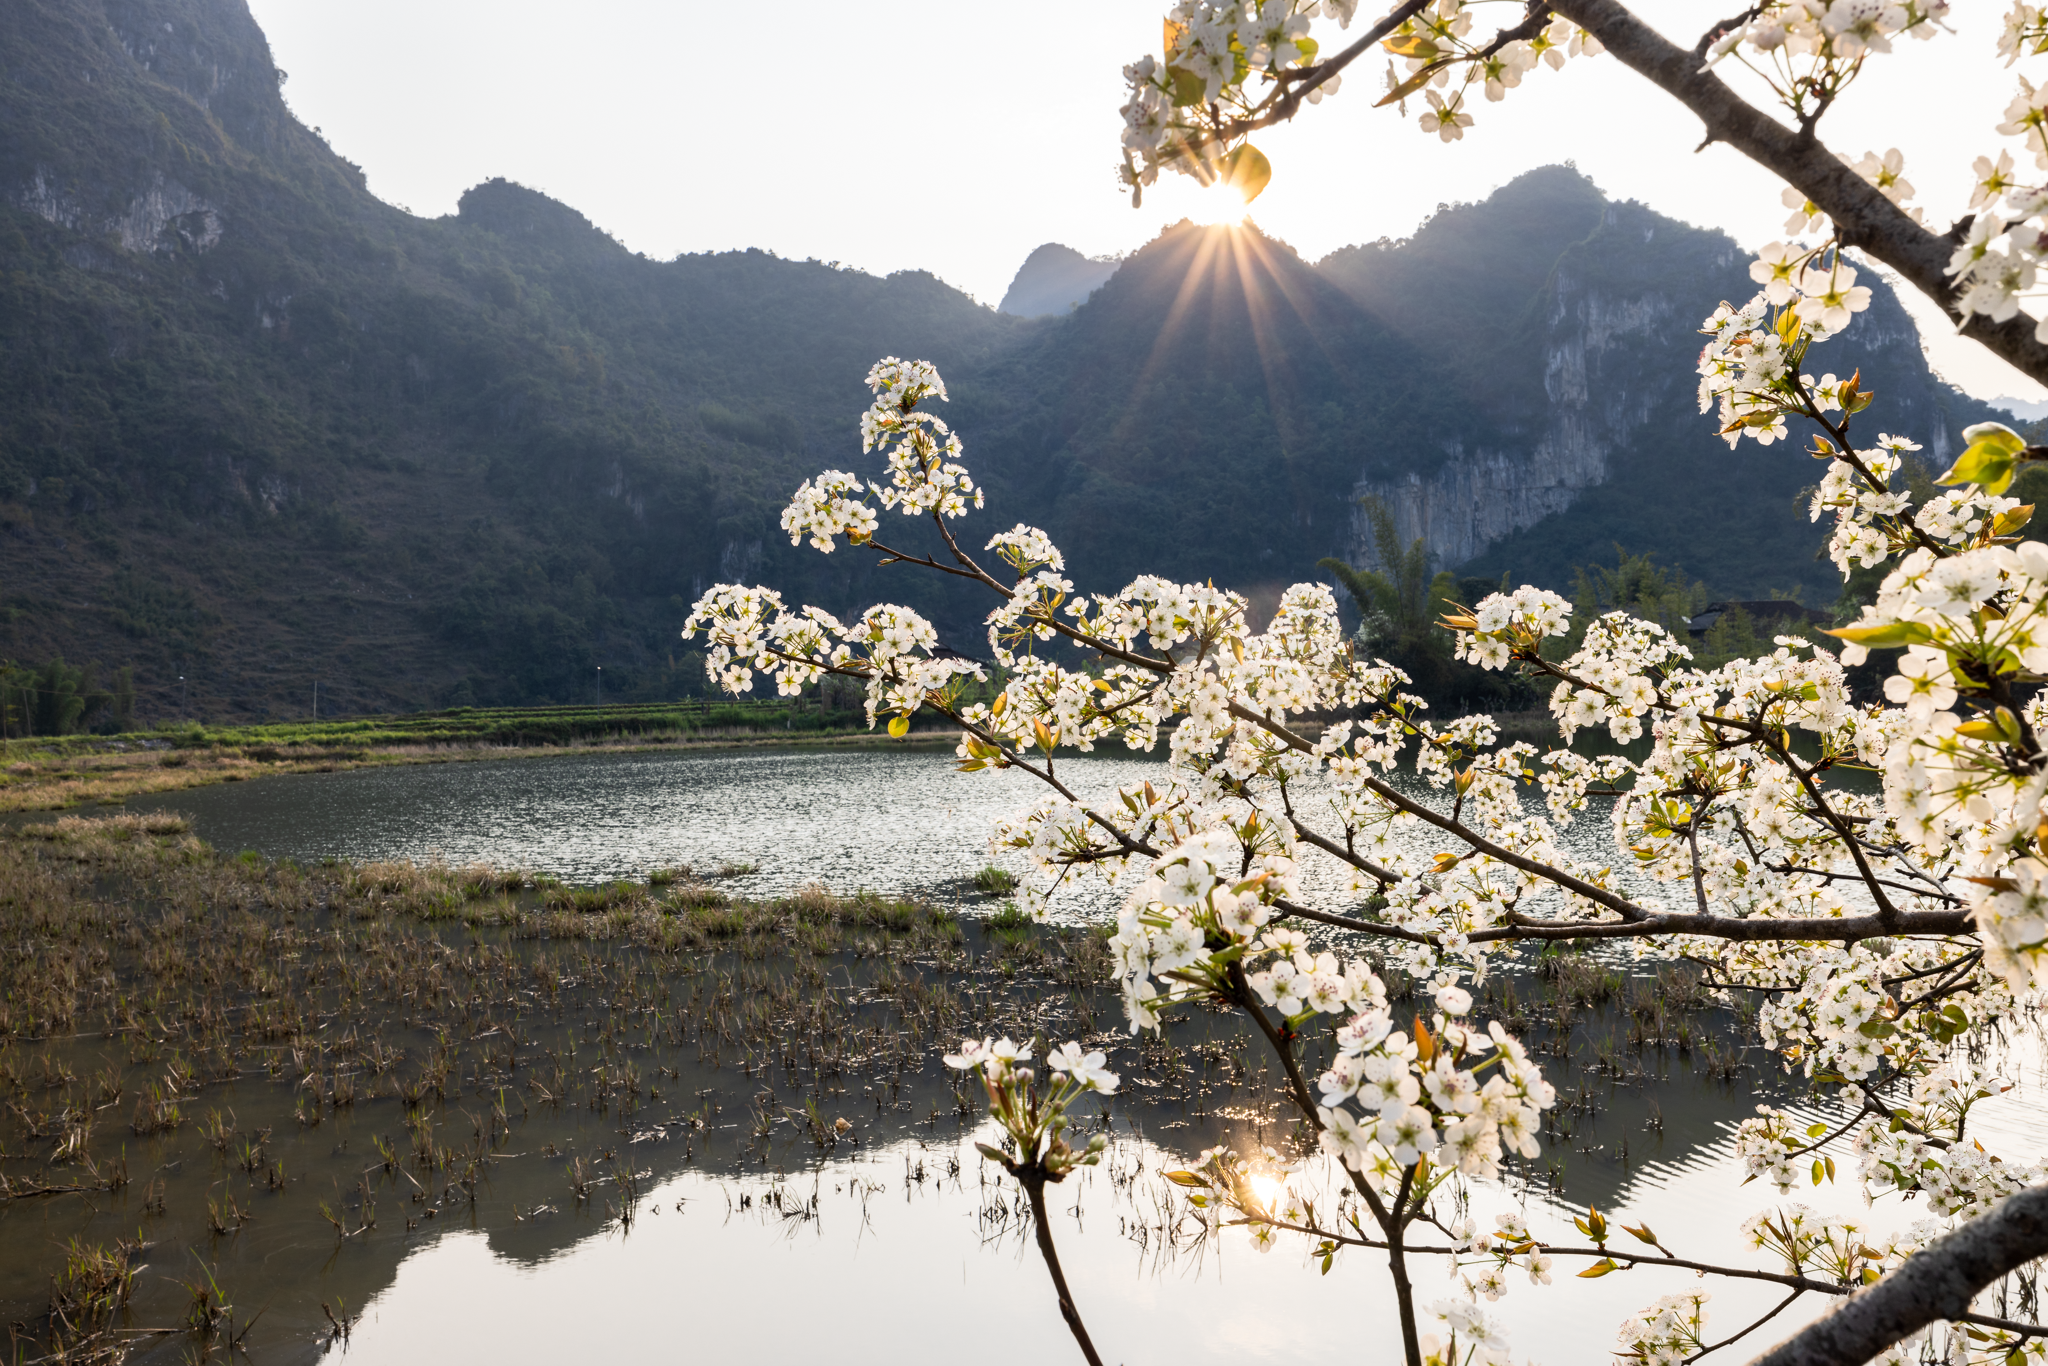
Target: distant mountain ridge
[(260, 429), (1053, 279)]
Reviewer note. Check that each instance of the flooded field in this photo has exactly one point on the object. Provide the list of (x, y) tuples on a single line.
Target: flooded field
[(381, 1112)]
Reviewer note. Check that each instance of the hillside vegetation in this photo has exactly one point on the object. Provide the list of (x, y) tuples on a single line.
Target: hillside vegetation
[(260, 430)]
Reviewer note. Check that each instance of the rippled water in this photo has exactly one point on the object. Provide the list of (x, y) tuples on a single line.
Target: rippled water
[(896, 820), (880, 1266), (892, 820)]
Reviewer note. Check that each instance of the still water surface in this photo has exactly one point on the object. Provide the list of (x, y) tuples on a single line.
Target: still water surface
[(889, 1257)]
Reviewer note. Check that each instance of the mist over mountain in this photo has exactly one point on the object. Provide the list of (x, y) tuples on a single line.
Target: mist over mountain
[(259, 428)]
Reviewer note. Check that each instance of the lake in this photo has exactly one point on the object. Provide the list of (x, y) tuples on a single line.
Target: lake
[(907, 1247)]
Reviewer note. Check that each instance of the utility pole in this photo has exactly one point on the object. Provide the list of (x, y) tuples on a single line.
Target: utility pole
[(181, 697), (600, 687)]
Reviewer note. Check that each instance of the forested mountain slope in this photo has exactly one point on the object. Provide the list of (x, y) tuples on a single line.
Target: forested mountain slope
[(1571, 323), (259, 428)]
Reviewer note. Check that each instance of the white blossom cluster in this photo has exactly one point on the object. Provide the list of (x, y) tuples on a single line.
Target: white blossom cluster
[(1921, 1150), (1034, 1122), (1225, 62), (1749, 367), (1026, 549), (1970, 789), (1804, 42), (1285, 745), (1202, 900), (1444, 60), (1471, 1337), (1810, 50), (1508, 1246), (924, 470), (1669, 1332), (747, 630), (1870, 515), (1391, 1099), (1825, 1247), (1506, 620), (830, 506)]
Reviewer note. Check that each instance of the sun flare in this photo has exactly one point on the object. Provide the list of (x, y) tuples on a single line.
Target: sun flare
[(1221, 205)]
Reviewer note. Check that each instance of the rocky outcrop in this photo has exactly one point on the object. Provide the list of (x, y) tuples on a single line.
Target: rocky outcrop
[(1597, 389), (1598, 396), (163, 216)]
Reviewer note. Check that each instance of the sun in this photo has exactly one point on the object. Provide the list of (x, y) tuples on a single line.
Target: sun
[(1221, 204)]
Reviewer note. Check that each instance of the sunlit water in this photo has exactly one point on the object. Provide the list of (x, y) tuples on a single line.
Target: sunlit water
[(878, 1264), (899, 820)]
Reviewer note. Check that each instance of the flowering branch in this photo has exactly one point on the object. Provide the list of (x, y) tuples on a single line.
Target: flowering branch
[(1034, 1152), (1828, 901), (1931, 1286), (1863, 216)]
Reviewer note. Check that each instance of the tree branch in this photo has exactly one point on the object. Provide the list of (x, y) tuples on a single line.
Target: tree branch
[(1935, 1284), (1863, 218)]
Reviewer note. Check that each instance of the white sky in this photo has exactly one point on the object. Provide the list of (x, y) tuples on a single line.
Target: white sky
[(957, 135)]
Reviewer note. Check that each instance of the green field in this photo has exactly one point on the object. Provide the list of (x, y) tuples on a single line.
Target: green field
[(522, 727)]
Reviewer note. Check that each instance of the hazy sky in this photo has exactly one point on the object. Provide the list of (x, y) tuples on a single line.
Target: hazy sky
[(957, 135)]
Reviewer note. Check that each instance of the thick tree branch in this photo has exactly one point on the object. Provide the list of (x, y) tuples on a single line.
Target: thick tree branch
[(1864, 218), (1934, 1285)]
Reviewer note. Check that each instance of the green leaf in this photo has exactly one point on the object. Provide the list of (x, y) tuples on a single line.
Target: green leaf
[(1188, 88), (2000, 725), (1994, 436), (1885, 636), (1185, 1179), (1600, 1268), (1247, 171), (2012, 520), (1411, 45), (1989, 458), (1407, 87)]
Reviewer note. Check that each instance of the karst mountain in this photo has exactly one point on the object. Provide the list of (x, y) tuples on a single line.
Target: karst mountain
[(258, 427)]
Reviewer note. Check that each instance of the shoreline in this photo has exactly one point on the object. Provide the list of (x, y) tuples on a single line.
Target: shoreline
[(75, 771), (52, 781)]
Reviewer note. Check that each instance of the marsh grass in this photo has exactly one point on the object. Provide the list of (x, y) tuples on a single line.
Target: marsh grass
[(442, 1009), (994, 881), (467, 1024)]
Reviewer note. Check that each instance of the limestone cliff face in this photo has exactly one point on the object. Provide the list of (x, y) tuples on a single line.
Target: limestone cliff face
[(162, 216), (1599, 394), (1613, 334)]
